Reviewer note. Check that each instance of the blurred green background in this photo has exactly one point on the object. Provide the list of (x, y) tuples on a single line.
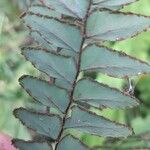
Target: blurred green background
[(13, 35)]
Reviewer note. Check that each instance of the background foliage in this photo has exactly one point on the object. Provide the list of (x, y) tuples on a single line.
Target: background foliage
[(12, 66)]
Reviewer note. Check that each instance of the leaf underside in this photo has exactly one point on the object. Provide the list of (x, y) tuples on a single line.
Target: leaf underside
[(112, 4), (88, 122), (113, 63), (98, 95), (47, 94), (115, 26)]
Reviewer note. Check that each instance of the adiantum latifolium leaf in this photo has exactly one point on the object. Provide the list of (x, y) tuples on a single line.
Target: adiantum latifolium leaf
[(62, 31)]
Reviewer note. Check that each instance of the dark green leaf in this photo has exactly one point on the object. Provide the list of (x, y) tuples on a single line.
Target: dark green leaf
[(48, 94), (88, 122), (54, 31), (43, 124), (115, 26), (99, 95), (31, 145), (112, 4), (110, 62), (71, 143), (54, 65), (74, 8)]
